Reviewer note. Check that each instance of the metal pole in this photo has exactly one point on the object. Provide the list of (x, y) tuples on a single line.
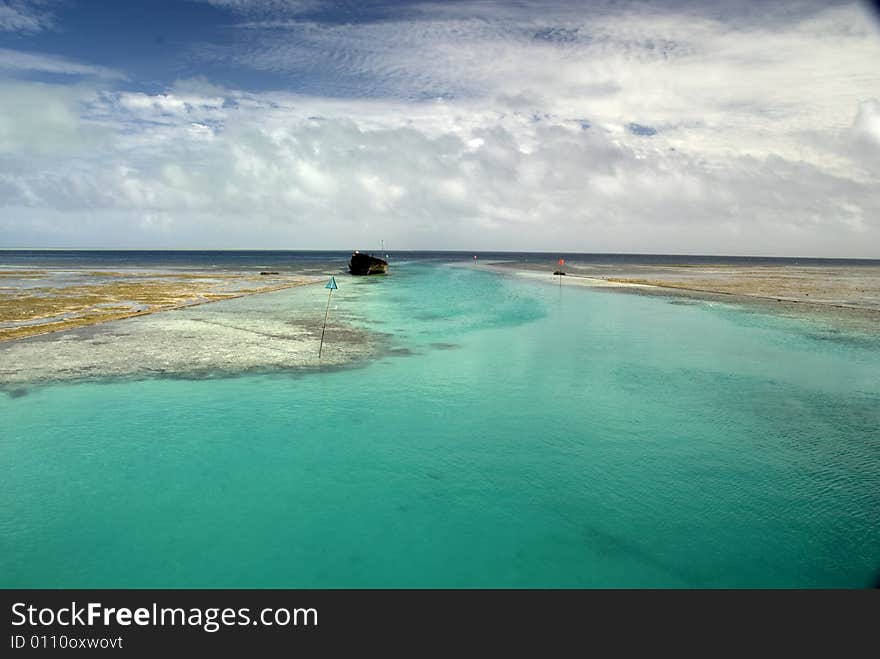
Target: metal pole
[(323, 329)]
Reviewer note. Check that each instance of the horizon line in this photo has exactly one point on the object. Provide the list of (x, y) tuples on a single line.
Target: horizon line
[(434, 251)]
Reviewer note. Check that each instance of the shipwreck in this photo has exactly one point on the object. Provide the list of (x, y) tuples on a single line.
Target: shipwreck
[(365, 264)]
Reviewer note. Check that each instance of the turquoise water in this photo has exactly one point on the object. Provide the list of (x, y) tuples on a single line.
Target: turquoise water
[(514, 435)]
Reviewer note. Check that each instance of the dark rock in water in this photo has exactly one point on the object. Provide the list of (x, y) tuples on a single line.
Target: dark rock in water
[(559, 272), (364, 264), (270, 273)]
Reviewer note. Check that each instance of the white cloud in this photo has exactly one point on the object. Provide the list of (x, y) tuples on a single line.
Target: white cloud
[(266, 7), (42, 121), (754, 84), (18, 61), (433, 175), (171, 107), (24, 16), (867, 121)]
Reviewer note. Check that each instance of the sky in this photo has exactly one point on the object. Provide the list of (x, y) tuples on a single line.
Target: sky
[(667, 126)]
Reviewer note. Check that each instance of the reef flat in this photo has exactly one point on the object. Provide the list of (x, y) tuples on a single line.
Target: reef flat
[(846, 297), (278, 331), (36, 302)]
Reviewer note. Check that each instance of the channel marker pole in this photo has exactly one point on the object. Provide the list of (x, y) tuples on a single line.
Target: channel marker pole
[(332, 286)]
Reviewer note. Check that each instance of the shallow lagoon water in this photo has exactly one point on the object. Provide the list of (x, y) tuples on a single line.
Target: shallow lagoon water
[(512, 434)]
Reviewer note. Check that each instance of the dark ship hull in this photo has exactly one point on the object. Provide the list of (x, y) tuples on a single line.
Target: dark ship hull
[(364, 264)]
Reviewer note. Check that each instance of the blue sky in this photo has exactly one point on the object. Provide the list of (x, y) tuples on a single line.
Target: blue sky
[(157, 42), (668, 126), (149, 41)]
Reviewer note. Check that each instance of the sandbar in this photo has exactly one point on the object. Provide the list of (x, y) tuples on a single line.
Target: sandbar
[(839, 295)]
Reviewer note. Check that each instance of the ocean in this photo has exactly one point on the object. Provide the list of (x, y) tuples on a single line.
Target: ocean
[(303, 259), (509, 434)]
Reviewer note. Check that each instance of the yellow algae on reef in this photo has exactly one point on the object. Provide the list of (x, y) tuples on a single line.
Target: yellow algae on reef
[(32, 310), (22, 274)]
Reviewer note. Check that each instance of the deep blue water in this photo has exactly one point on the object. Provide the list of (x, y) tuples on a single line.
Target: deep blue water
[(255, 260)]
